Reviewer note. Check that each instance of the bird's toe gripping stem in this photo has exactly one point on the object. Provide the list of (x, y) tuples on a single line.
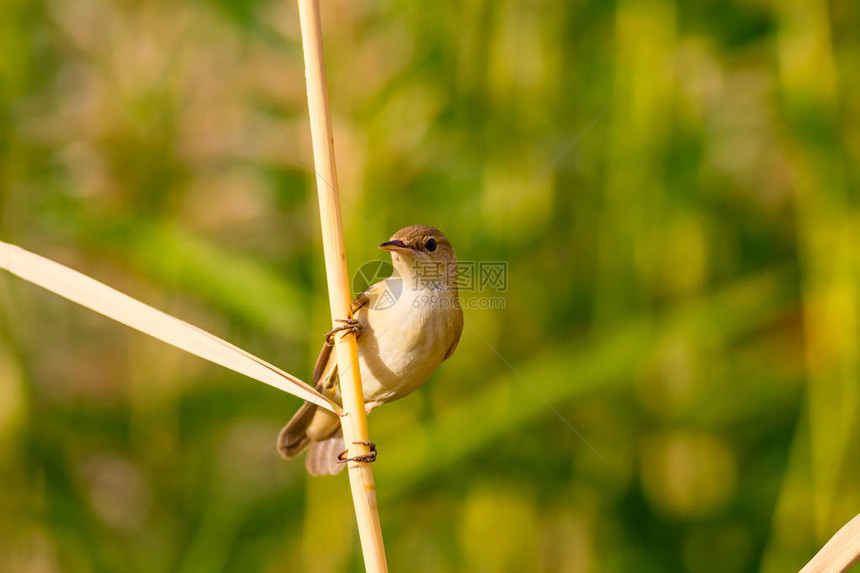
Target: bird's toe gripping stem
[(348, 325), (364, 458)]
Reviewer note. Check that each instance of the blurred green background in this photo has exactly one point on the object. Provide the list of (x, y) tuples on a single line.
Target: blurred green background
[(674, 187)]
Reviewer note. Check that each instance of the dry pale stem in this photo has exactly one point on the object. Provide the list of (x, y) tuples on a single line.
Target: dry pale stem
[(840, 553), (354, 421)]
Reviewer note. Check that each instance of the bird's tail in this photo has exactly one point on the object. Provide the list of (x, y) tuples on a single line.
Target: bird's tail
[(322, 455), (293, 439)]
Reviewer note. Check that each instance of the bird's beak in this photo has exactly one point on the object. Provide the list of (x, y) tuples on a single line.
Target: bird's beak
[(394, 246)]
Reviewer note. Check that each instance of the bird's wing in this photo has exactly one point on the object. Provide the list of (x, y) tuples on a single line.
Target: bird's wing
[(458, 328), (361, 301), (325, 370)]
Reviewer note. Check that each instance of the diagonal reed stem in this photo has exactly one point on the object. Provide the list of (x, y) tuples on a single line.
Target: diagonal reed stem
[(354, 419), (840, 553), (96, 296)]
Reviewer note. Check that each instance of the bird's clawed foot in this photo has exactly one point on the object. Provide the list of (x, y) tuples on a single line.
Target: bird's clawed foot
[(364, 458), (348, 325)]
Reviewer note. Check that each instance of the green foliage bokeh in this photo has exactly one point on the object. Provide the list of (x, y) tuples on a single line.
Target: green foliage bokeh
[(670, 382)]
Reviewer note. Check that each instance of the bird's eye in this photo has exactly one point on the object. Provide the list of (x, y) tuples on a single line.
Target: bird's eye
[(430, 245)]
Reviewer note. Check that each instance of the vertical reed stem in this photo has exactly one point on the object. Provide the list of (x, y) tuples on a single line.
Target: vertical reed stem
[(354, 420)]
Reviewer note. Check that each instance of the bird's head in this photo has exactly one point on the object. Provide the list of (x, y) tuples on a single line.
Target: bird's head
[(419, 249)]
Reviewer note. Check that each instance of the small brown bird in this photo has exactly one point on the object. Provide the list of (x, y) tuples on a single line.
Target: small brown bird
[(407, 325)]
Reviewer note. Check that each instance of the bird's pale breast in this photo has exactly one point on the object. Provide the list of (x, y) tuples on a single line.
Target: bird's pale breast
[(400, 346)]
